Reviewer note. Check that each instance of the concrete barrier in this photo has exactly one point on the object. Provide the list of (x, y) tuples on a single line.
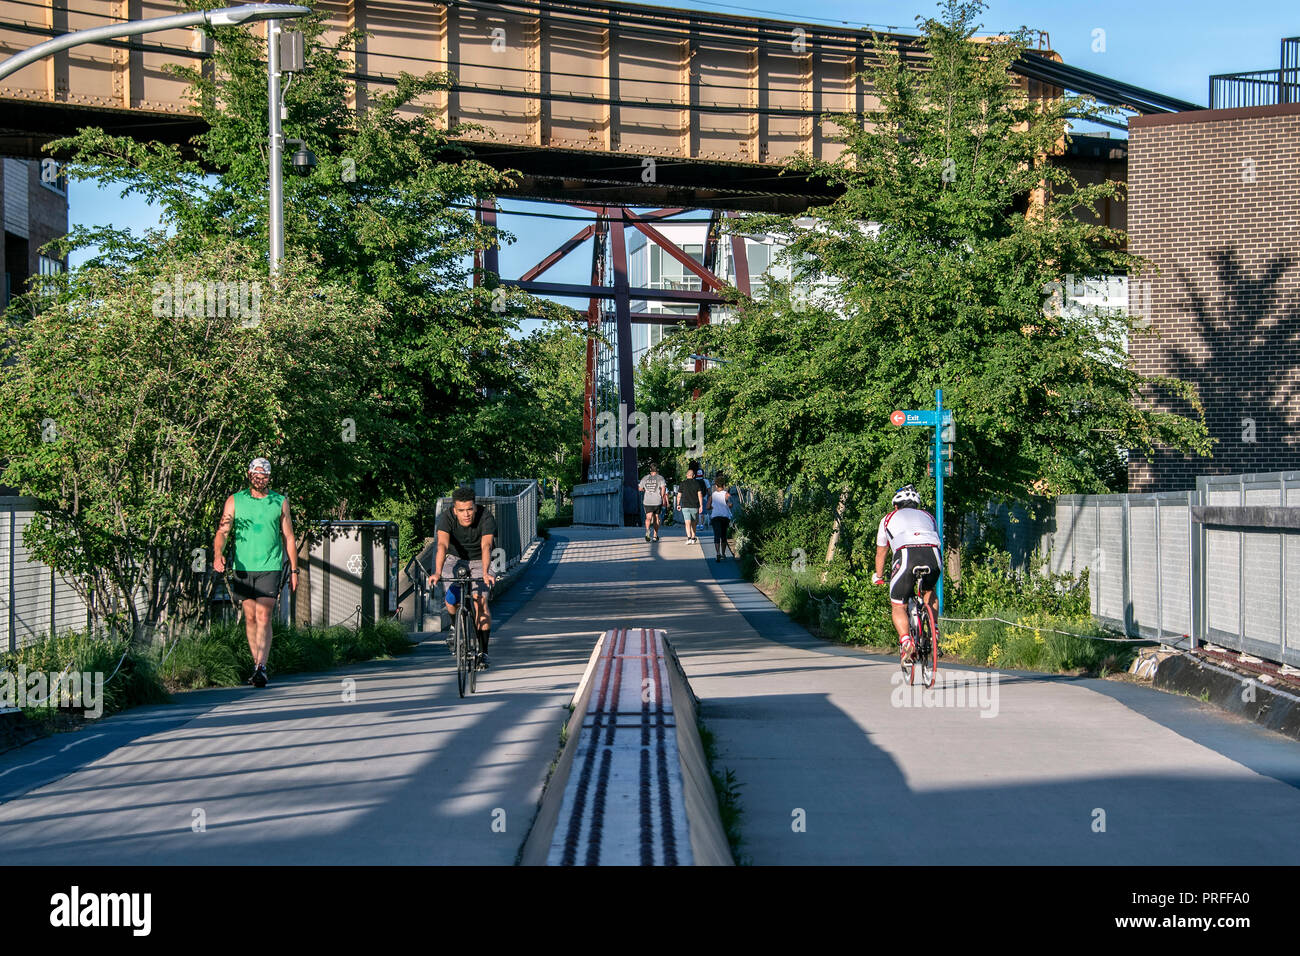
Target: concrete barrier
[(1248, 696), (632, 785)]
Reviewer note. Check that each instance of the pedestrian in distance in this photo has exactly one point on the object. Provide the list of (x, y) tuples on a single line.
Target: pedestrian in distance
[(720, 511), (654, 496), (690, 501), (263, 532)]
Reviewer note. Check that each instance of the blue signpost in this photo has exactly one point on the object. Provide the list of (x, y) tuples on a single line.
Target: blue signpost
[(940, 419)]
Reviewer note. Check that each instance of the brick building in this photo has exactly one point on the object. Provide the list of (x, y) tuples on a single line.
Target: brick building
[(1214, 203), (35, 211)]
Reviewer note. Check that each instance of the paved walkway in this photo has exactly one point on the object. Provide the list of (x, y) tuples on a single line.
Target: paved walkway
[(831, 768)]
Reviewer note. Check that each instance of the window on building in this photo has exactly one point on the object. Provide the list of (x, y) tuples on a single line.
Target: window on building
[(667, 273), (51, 267), (52, 176)]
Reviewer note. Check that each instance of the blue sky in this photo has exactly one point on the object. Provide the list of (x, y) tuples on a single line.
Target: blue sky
[(1166, 46)]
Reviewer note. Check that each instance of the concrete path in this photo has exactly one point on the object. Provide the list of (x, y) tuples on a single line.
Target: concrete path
[(832, 769)]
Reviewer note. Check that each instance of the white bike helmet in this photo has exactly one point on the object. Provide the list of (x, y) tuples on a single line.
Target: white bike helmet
[(907, 495)]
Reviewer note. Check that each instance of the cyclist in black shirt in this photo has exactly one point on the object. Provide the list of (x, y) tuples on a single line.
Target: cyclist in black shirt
[(465, 532)]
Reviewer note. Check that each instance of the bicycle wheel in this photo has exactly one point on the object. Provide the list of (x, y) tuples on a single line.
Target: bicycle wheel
[(462, 648), (910, 669), (930, 647), (472, 648)]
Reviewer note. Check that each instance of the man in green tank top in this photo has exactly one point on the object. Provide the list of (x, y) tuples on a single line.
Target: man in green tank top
[(263, 535)]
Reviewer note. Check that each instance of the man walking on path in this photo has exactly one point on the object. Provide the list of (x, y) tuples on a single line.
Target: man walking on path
[(690, 501), (263, 532), (654, 495)]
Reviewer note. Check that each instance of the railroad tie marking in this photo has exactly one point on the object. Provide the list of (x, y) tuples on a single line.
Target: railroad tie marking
[(624, 804)]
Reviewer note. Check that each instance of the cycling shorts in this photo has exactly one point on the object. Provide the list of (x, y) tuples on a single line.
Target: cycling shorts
[(910, 564)]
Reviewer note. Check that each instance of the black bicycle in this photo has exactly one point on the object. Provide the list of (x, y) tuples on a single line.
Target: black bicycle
[(924, 630), (464, 635)]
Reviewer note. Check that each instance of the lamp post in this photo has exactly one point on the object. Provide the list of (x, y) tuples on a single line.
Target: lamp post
[(275, 219), (273, 13)]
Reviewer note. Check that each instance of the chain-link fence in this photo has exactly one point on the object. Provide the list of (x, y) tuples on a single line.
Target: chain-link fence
[(1137, 550)]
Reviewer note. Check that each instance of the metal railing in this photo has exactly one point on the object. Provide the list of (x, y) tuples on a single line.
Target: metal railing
[(1248, 548), (1260, 87), (513, 505), (1220, 564), (599, 503), (34, 600), (351, 573)]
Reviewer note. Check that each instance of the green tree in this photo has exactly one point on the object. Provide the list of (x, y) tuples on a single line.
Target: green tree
[(660, 384), (930, 271), (378, 271), (387, 211), (531, 423), (134, 406)]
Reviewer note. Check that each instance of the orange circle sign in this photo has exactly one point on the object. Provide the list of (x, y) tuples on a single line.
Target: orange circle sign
[(898, 418)]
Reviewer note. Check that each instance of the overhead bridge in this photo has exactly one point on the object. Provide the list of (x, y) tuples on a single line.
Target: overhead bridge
[(584, 99)]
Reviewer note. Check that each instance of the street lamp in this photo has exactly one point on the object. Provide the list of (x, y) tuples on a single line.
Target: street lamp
[(273, 13)]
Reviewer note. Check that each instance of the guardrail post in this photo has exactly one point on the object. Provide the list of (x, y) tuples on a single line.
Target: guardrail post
[(13, 547), (1196, 543), (1095, 585), (1130, 623), (1241, 571), (1160, 581)]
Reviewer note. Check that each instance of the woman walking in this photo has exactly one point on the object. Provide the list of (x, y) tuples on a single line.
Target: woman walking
[(720, 507)]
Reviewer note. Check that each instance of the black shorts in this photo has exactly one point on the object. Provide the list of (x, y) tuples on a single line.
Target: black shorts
[(252, 585), (912, 563)]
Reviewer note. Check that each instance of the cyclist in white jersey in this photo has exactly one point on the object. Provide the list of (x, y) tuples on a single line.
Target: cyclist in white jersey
[(911, 533)]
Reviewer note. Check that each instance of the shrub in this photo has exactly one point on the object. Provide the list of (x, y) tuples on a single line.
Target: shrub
[(988, 583), (130, 676), (775, 532), (866, 618)]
